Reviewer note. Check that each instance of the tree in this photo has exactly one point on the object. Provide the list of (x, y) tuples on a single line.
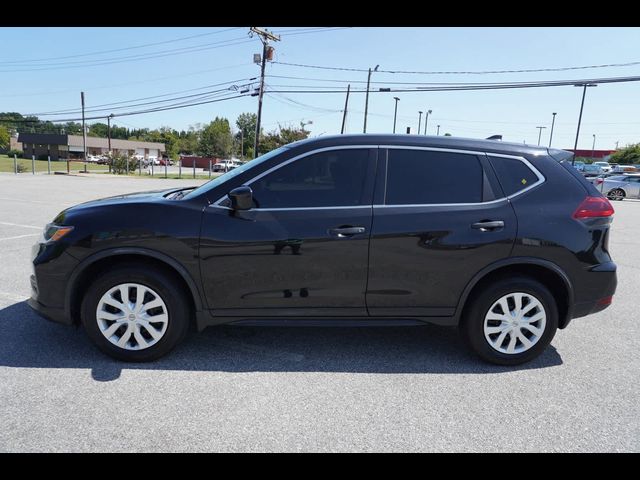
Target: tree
[(447, 134), (216, 139), (5, 138), (97, 130), (246, 123), (284, 136), (627, 155)]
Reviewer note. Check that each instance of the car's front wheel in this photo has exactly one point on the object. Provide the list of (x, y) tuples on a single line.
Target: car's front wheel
[(135, 313), (511, 321)]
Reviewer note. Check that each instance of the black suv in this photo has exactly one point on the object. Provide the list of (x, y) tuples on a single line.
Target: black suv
[(507, 241)]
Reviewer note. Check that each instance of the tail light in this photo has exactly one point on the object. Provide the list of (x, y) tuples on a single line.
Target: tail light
[(594, 207)]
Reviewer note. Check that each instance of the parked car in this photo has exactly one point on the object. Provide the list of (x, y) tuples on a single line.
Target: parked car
[(596, 181), (578, 165), (166, 161), (604, 165), (508, 243), (620, 187), (618, 169), (592, 170)]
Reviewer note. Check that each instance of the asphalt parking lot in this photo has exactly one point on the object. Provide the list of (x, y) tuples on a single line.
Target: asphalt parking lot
[(305, 389)]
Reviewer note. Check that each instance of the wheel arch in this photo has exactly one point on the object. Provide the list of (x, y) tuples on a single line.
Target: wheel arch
[(79, 278), (548, 273)]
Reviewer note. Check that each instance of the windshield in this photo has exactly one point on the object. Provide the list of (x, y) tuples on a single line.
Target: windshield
[(234, 173)]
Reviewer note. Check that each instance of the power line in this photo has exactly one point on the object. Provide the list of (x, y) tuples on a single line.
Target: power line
[(468, 72), (94, 107), (134, 58), (118, 49), (479, 86)]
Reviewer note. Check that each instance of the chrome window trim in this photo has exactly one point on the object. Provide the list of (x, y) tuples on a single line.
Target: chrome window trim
[(298, 157), (537, 173)]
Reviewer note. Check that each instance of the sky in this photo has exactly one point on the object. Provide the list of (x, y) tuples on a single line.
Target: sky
[(44, 69)]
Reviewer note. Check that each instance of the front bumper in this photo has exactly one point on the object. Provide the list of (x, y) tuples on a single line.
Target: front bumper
[(53, 314)]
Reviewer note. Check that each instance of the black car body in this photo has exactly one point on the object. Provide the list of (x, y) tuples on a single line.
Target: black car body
[(350, 229)]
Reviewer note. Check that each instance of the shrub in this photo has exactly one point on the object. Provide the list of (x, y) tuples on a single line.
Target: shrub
[(20, 168), (119, 161), (17, 153)]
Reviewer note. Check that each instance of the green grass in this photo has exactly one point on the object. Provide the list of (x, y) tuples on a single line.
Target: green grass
[(6, 165)]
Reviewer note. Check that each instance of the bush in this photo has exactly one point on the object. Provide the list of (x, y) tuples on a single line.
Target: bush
[(118, 164), (17, 153), (20, 168)]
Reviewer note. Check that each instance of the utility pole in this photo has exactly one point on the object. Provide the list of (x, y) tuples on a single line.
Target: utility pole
[(553, 122), (84, 135), (395, 114), (419, 120), (593, 147), (265, 36), (618, 141), (346, 105), (366, 102), (109, 139), (426, 120), (540, 133), (584, 92)]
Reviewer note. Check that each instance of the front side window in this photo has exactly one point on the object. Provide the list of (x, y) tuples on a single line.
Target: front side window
[(418, 177), (333, 178)]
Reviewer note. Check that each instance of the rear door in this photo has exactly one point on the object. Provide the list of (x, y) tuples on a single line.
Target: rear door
[(439, 217)]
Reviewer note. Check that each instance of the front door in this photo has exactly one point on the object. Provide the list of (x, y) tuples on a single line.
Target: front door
[(303, 249)]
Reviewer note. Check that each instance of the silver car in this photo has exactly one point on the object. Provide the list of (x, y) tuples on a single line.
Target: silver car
[(621, 187)]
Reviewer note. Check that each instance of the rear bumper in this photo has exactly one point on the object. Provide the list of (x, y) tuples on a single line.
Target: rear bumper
[(605, 281)]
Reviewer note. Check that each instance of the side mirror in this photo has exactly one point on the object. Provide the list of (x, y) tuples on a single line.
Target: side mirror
[(241, 198)]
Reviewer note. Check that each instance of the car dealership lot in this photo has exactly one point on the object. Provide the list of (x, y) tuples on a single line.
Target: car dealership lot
[(305, 389)]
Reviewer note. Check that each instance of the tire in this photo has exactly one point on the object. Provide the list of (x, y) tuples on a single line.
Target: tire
[(477, 337), (173, 312), (616, 194)]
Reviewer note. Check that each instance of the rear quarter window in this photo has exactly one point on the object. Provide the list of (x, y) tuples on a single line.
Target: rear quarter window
[(513, 175)]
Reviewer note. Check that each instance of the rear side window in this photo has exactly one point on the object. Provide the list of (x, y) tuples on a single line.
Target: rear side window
[(513, 174), (416, 177)]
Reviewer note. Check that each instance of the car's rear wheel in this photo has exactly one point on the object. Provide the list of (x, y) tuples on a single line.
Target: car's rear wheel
[(616, 194), (135, 313), (510, 321)]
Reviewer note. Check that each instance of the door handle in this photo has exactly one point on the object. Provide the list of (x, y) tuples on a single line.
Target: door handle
[(343, 232), (489, 225)]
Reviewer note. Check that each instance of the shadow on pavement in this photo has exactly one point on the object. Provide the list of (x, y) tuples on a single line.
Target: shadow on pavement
[(32, 342)]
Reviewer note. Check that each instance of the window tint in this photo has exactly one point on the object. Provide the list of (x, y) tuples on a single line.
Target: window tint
[(512, 174), (327, 179), (427, 177)]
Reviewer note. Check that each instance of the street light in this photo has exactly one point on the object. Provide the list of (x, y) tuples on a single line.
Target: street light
[(419, 120), (584, 92), (540, 133), (395, 114), (426, 121), (553, 122), (438, 132), (593, 147), (366, 104)]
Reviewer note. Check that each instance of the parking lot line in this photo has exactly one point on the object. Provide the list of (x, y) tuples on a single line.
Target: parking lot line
[(20, 236), (20, 225)]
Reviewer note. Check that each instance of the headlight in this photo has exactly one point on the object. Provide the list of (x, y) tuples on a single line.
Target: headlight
[(53, 233)]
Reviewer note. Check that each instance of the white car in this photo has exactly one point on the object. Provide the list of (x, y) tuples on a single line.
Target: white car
[(604, 165)]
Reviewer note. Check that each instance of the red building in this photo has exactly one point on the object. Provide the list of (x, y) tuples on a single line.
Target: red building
[(201, 162), (587, 153)]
